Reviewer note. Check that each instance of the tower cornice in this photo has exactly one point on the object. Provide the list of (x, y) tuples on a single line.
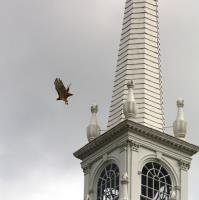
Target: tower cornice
[(127, 127)]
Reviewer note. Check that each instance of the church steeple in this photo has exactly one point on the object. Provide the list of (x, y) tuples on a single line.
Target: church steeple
[(134, 159), (139, 60)]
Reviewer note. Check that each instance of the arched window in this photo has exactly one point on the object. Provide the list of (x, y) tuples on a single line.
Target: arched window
[(156, 182), (108, 183)]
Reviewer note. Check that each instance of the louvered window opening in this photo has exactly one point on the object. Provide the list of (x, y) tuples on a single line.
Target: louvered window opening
[(156, 182), (108, 183)]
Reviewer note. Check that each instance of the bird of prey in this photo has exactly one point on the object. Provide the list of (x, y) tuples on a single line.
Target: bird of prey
[(63, 93)]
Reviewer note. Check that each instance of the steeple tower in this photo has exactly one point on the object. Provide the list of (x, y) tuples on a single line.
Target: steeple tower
[(134, 159), (139, 60)]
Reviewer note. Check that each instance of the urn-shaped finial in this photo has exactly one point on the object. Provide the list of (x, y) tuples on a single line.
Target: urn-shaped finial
[(130, 107), (180, 125), (93, 130)]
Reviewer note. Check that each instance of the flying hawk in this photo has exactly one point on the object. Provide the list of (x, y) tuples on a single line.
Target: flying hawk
[(62, 91)]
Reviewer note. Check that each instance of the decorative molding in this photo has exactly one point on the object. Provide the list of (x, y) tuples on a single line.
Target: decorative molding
[(86, 169), (124, 187), (105, 157), (138, 129), (91, 191), (158, 155), (184, 165), (177, 187), (124, 178), (139, 173), (134, 146), (123, 148)]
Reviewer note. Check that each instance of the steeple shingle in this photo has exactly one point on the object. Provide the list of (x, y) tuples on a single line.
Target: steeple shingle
[(139, 60)]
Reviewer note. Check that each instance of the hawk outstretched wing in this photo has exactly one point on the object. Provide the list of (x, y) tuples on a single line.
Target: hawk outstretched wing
[(63, 92)]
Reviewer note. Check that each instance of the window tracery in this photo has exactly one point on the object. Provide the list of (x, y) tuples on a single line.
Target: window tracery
[(108, 183), (156, 182)]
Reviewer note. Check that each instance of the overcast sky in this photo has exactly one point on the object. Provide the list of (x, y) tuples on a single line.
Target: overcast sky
[(77, 40)]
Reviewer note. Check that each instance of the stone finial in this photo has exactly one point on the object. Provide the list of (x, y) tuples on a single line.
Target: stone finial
[(93, 130), (180, 125), (130, 107)]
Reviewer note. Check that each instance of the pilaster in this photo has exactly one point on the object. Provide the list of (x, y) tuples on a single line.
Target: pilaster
[(86, 170), (135, 177), (124, 187), (184, 167)]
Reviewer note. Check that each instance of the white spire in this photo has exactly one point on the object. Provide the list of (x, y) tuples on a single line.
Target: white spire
[(180, 125), (93, 130), (130, 107), (139, 59)]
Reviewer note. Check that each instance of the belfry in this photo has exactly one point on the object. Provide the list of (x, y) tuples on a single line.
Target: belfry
[(135, 159)]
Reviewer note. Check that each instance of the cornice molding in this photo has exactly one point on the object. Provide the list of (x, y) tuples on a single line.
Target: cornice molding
[(134, 146), (177, 188), (138, 129), (86, 169)]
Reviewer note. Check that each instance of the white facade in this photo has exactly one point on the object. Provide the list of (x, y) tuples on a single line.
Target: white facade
[(131, 146)]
